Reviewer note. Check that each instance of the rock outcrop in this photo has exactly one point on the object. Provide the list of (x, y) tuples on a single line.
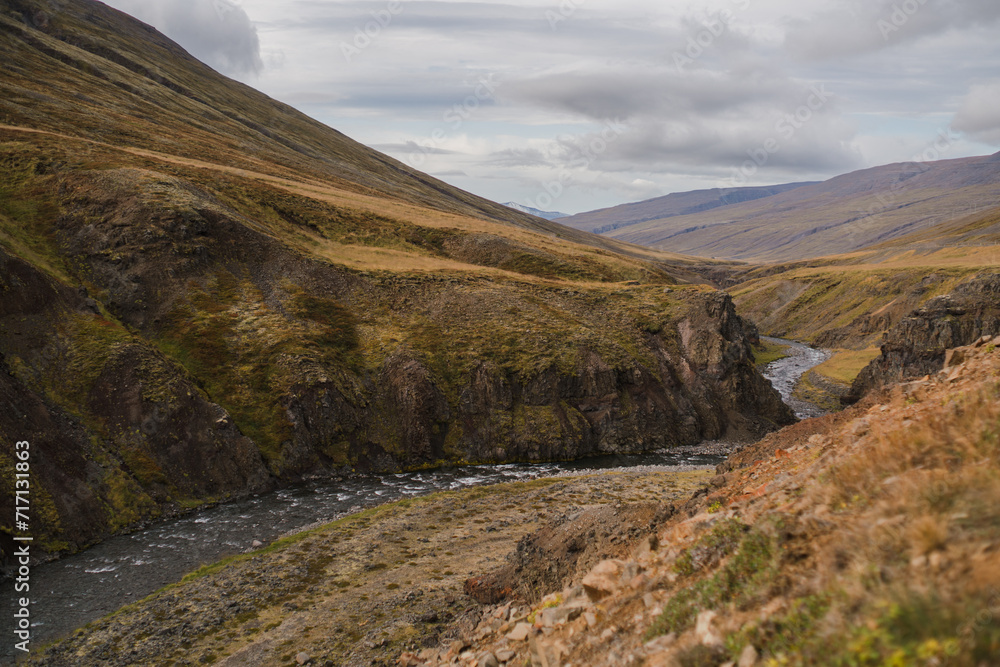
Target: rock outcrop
[(916, 345)]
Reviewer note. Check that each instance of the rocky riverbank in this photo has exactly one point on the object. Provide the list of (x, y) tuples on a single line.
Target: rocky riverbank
[(363, 589)]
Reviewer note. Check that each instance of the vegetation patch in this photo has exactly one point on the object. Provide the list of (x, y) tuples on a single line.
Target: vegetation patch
[(746, 575), (767, 352)]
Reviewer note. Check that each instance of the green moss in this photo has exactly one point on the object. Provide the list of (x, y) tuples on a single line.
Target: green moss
[(912, 629), (711, 547), (745, 575), (95, 341), (143, 467), (338, 325), (767, 352), (27, 209), (782, 634), (127, 504)]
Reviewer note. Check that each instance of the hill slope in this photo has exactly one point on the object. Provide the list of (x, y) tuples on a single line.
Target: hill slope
[(844, 214), (206, 294), (607, 220)]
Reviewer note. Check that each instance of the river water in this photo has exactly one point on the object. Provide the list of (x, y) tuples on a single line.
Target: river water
[(785, 373), (68, 593)]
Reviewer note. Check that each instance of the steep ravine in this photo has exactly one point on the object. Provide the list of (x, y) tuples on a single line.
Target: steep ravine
[(177, 350)]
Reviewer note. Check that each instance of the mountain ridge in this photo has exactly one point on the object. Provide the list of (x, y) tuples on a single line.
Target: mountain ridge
[(602, 221), (844, 214)]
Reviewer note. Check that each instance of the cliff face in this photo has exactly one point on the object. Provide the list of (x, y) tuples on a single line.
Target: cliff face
[(916, 345)]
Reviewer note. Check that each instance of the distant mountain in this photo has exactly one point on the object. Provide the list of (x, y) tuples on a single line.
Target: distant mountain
[(548, 215), (607, 220), (843, 214)]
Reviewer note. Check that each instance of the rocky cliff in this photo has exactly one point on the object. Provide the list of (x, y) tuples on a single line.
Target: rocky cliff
[(917, 344)]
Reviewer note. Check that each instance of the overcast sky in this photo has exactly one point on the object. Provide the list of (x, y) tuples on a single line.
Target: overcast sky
[(583, 104)]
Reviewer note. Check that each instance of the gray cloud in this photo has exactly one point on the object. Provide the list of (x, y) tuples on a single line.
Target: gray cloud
[(855, 27), (696, 119), (217, 32), (979, 114)]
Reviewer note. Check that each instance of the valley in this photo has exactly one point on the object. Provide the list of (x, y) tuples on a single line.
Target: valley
[(297, 402)]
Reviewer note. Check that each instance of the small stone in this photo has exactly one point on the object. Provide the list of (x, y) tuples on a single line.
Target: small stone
[(705, 632), (649, 600), (303, 658), (488, 660), (546, 653), (576, 597), (661, 643), (604, 579), (520, 632), (954, 357), (591, 619), (256, 544), (608, 634), (506, 655), (749, 656), (407, 660), (553, 616), (458, 646)]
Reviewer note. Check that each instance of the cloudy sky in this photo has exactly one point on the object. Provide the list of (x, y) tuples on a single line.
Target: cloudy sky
[(572, 105)]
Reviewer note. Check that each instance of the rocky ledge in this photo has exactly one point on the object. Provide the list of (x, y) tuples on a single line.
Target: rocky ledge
[(916, 345)]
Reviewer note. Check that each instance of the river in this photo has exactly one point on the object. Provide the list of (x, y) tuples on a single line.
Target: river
[(785, 373), (68, 593)]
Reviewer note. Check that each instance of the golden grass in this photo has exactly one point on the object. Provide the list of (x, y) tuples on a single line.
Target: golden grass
[(927, 458), (347, 196), (845, 365)]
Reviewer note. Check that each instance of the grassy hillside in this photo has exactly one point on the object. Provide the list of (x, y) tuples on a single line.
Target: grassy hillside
[(849, 301)]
